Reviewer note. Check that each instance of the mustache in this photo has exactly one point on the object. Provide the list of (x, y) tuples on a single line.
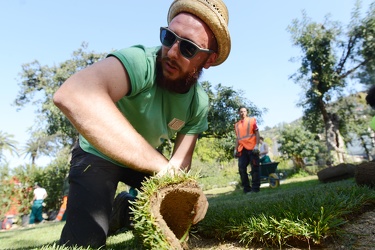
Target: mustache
[(171, 62)]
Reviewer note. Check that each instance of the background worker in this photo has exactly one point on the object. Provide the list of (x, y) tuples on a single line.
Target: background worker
[(37, 204), (263, 151), (247, 143)]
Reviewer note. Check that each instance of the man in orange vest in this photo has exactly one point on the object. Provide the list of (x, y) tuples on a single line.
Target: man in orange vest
[(62, 215), (246, 149)]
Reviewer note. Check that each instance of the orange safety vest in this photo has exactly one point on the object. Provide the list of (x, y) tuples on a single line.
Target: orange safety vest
[(245, 134)]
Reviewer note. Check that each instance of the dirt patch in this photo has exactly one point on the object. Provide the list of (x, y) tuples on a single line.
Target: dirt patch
[(359, 234)]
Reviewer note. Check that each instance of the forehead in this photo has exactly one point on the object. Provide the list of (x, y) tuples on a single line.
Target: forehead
[(190, 27), (243, 110)]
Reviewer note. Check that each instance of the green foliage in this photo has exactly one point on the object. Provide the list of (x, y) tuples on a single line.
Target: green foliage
[(330, 56), (7, 144), (366, 33), (53, 179), (17, 185), (297, 143), (38, 84), (26, 175), (216, 175), (39, 144), (355, 116), (215, 150), (6, 190), (223, 110)]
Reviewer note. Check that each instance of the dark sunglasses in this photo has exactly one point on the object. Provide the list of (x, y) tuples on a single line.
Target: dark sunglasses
[(187, 48)]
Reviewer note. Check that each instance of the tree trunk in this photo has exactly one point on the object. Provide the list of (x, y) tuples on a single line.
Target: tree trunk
[(364, 146), (298, 163), (335, 142)]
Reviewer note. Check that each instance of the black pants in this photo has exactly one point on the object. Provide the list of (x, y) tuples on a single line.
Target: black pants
[(247, 157), (93, 184)]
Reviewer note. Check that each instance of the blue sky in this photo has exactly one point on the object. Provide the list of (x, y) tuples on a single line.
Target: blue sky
[(259, 63)]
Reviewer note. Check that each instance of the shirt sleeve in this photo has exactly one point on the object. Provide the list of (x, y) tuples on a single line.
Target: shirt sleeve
[(138, 62)]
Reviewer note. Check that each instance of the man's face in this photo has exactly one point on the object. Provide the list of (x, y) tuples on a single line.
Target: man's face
[(179, 72), (243, 113)]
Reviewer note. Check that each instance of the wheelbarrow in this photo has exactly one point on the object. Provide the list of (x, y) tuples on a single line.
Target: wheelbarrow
[(268, 174)]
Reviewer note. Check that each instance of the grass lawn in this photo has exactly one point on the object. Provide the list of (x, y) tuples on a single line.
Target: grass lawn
[(299, 212)]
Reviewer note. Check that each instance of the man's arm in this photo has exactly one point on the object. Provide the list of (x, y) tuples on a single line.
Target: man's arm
[(45, 195), (236, 143), (183, 151), (257, 135), (88, 100), (265, 148)]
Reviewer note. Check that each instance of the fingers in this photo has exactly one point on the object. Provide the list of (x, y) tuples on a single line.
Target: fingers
[(168, 169)]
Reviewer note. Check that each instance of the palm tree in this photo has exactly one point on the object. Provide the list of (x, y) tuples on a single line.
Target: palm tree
[(7, 144), (39, 144)]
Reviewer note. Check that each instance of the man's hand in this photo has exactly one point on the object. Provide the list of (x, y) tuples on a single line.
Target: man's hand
[(255, 152), (237, 154), (169, 169)]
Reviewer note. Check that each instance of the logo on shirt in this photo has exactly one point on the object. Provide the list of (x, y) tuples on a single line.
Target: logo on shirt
[(176, 124)]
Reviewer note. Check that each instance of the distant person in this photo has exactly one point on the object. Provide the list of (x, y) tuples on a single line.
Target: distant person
[(61, 215), (37, 204), (370, 99), (246, 149), (263, 151)]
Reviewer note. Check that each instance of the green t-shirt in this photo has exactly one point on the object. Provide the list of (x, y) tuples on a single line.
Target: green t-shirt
[(154, 112)]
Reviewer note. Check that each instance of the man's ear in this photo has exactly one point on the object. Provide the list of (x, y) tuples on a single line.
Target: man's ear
[(211, 59)]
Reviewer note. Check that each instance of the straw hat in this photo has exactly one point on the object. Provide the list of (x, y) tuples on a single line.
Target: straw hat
[(215, 14)]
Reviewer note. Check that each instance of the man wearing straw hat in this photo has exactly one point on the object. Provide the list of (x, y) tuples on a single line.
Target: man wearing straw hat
[(129, 103)]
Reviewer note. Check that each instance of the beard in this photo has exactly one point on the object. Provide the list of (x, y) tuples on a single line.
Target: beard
[(180, 85)]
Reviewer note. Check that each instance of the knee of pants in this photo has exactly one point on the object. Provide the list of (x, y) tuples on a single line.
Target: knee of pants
[(83, 237), (242, 170)]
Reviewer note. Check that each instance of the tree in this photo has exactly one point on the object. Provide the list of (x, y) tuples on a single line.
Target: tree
[(38, 84), (39, 144), (298, 144), (355, 118), (223, 109), (222, 115), (366, 73), (7, 144), (324, 75), (6, 190)]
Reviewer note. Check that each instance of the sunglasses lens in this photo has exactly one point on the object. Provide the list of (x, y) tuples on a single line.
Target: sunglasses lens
[(167, 38), (188, 49)]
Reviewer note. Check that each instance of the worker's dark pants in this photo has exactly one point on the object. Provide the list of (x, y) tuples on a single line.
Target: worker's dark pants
[(93, 184), (36, 211), (247, 157)]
